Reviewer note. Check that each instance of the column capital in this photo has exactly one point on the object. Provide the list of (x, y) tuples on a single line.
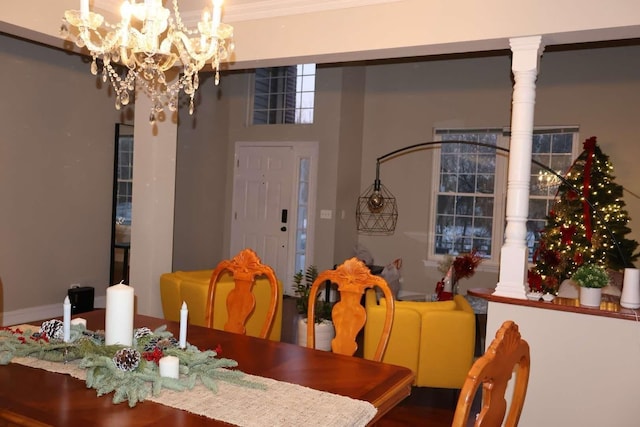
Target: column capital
[(526, 53)]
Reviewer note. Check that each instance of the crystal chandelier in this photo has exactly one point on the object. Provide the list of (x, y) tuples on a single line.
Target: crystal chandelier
[(148, 42)]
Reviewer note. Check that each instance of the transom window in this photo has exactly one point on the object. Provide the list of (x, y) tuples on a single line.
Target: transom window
[(471, 183), (284, 95)]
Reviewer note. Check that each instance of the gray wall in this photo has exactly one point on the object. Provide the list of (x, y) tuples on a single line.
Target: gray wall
[(56, 166)]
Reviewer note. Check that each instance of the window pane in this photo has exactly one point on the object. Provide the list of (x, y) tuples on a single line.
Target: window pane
[(483, 227), (448, 183), (463, 226), (466, 183), (446, 204), (284, 95), (486, 184), (449, 163), (484, 206), (464, 206)]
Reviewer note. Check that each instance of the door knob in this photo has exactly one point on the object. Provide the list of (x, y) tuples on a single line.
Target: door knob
[(283, 228)]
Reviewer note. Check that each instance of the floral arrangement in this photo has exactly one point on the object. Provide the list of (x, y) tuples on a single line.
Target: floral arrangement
[(461, 267), (591, 276), (464, 266), (131, 372)]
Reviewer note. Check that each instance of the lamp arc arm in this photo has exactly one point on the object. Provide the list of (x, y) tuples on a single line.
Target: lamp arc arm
[(506, 150)]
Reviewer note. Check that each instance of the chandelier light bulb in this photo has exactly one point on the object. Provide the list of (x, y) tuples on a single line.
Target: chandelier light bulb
[(148, 41)]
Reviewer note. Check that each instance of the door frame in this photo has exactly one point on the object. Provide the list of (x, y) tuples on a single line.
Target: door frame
[(301, 149)]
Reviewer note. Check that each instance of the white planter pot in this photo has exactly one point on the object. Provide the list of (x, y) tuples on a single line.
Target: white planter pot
[(590, 297), (324, 334)]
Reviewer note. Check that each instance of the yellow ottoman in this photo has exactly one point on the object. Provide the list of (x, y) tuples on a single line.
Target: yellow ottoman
[(192, 287)]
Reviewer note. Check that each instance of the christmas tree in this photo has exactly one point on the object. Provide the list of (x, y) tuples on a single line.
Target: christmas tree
[(587, 223)]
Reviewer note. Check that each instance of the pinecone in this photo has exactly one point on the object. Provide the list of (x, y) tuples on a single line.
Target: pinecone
[(52, 329), (142, 332), (161, 343), (127, 359)]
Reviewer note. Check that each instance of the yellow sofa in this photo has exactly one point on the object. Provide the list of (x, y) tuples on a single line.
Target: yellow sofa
[(436, 340), (193, 286)]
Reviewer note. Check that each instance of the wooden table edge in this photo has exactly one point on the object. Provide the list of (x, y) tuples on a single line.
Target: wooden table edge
[(392, 397)]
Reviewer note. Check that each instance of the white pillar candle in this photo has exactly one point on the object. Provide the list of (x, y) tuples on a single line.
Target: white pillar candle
[(183, 325), (169, 367), (119, 316), (79, 321), (66, 319)]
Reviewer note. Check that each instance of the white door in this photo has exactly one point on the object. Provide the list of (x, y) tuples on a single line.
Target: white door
[(262, 215)]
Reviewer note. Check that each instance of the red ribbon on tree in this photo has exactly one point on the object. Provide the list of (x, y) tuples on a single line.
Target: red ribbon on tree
[(589, 146)]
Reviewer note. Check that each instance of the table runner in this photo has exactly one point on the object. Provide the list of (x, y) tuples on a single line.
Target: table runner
[(281, 404)]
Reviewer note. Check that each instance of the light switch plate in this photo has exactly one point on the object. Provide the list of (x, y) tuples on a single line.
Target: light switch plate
[(325, 214)]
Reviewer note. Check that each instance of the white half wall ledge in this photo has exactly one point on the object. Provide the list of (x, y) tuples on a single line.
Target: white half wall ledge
[(30, 314)]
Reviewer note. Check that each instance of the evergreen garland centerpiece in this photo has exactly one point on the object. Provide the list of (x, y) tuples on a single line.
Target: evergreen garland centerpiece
[(132, 373), (586, 225)]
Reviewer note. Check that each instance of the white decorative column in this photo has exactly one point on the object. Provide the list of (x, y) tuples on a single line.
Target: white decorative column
[(154, 177), (514, 254)]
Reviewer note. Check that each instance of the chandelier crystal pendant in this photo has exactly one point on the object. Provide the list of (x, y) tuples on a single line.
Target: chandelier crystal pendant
[(148, 42)]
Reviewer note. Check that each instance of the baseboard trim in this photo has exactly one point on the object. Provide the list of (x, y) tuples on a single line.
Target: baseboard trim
[(26, 315)]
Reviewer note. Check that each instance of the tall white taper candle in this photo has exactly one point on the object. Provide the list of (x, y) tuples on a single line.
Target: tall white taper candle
[(183, 325), (119, 316), (66, 319)]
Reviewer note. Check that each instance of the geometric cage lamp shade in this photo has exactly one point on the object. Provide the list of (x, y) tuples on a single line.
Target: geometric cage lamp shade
[(377, 210)]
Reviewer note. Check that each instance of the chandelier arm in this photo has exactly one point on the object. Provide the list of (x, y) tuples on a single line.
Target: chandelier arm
[(185, 45), (506, 150), (85, 35)]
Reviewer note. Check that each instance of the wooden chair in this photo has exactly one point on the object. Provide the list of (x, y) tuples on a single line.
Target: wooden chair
[(244, 268), (507, 352), (353, 279)]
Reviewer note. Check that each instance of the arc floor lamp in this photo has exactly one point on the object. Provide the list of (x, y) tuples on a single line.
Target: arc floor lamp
[(377, 209)]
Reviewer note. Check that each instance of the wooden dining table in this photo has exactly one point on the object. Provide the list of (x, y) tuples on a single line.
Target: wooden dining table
[(36, 397)]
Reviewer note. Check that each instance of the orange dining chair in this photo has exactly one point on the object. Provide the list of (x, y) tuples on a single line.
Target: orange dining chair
[(507, 353), (244, 268), (353, 278)]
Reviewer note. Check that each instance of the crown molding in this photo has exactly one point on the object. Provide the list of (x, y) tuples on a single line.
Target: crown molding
[(246, 10)]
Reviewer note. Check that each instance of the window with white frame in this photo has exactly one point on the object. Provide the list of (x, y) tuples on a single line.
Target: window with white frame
[(471, 180), (468, 194), (284, 95)]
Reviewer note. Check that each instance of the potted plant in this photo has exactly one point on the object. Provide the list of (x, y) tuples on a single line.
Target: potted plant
[(323, 324), (591, 278)]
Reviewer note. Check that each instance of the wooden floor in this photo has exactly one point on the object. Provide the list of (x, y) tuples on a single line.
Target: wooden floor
[(426, 406)]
